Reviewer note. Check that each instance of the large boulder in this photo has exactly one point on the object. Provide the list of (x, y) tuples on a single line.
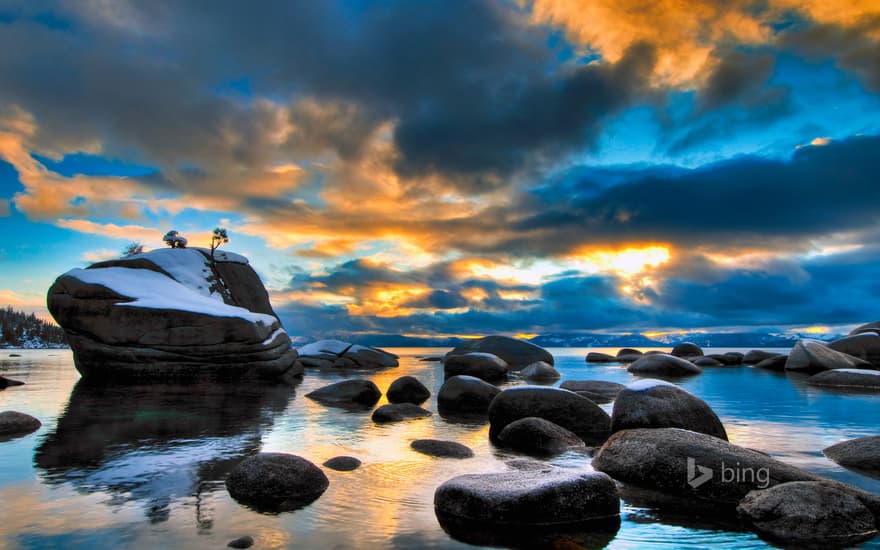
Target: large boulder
[(407, 389), (866, 328), (540, 371), (662, 364), (343, 355), (567, 409), (14, 423), (686, 349), (536, 436), (171, 313), (691, 465), (598, 391), (864, 346), (813, 356), (852, 379), (515, 352), (807, 514), (465, 395), (276, 482), (531, 497), (862, 454), (348, 393), (657, 404), (485, 366)]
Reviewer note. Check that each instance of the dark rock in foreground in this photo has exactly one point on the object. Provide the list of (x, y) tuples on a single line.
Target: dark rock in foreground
[(441, 448), (14, 423), (686, 349), (540, 371), (241, 542), (853, 379), (343, 463), (812, 356), (656, 404), (546, 497), (562, 407), (485, 366), (862, 454), (515, 352), (343, 355), (348, 393), (397, 412), (598, 391), (807, 514), (407, 389), (171, 313), (465, 395), (661, 364), (536, 436), (276, 482), (8, 382)]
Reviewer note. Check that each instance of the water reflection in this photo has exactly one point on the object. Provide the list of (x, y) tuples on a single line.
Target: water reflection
[(156, 443)]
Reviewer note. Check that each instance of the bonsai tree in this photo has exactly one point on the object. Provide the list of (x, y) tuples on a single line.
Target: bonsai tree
[(218, 238), (174, 239)]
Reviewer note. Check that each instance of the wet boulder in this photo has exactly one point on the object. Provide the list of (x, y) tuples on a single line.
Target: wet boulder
[(441, 449), (536, 436), (862, 454), (276, 482), (813, 356), (515, 352), (485, 366), (807, 514), (407, 389), (852, 379), (598, 391), (661, 364), (330, 354), (14, 423), (397, 412), (354, 392), (657, 404), (540, 371), (343, 463), (465, 395), (686, 349), (562, 407)]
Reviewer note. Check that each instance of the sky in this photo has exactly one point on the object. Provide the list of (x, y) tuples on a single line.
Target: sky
[(439, 168)]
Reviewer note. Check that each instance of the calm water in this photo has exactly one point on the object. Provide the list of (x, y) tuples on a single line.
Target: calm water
[(144, 468)]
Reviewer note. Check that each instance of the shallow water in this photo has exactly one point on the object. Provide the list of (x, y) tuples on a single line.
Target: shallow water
[(144, 467)]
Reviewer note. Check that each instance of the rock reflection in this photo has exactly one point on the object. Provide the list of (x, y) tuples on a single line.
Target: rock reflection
[(154, 444), (587, 534)]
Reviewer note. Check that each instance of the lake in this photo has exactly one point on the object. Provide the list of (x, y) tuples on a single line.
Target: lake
[(143, 467)]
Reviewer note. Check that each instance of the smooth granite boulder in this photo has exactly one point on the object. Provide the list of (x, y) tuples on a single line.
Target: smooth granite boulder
[(171, 313), (441, 449), (661, 364), (328, 354), (536, 436), (847, 379), (864, 346), (397, 412), (862, 454), (730, 359), (276, 482), (774, 363), (356, 392), (14, 423), (562, 407), (485, 366), (465, 395), (812, 356), (686, 349), (407, 389), (343, 463), (657, 404), (703, 361), (515, 352), (866, 328), (540, 371), (598, 391), (530, 497), (599, 357), (807, 514), (628, 352), (755, 356)]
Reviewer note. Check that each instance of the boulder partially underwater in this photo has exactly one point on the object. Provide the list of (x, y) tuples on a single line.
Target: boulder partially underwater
[(171, 313)]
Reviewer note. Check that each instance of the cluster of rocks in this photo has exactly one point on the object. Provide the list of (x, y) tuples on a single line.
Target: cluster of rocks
[(342, 355), (494, 358)]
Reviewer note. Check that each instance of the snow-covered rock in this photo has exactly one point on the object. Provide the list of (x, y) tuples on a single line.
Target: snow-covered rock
[(171, 313)]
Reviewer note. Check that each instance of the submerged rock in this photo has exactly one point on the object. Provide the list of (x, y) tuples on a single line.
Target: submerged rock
[(854, 379), (536, 436), (862, 454), (343, 355), (515, 352), (540, 371), (485, 366), (276, 482), (813, 356), (343, 463), (396, 412), (686, 349), (14, 423), (441, 448), (407, 389), (598, 391), (661, 364), (657, 404), (562, 407), (807, 514), (348, 393), (171, 313), (465, 395)]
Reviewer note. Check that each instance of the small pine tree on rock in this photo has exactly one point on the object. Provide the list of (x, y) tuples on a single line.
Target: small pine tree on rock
[(218, 238), (174, 239)]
